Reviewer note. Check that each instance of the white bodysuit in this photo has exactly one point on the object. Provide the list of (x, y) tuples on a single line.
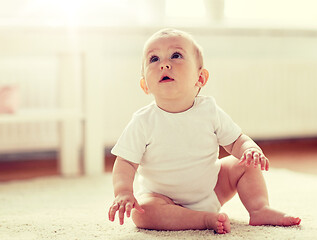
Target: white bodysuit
[(177, 153)]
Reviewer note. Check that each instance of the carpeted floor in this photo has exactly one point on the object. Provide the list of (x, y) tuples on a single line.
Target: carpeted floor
[(76, 208)]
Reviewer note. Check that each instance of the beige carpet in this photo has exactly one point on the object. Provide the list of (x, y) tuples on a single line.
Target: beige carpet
[(76, 208)]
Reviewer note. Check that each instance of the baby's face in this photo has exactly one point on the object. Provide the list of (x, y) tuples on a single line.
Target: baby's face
[(171, 68)]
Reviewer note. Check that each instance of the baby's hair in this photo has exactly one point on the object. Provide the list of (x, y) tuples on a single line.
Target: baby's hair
[(170, 32)]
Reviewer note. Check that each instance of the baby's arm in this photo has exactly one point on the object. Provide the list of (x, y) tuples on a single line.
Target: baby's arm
[(123, 177), (245, 149)]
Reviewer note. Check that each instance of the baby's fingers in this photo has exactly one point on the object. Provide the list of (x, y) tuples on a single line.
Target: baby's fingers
[(264, 163), (249, 158), (128, 209), (121, 214), (112, 211), (256, 158)]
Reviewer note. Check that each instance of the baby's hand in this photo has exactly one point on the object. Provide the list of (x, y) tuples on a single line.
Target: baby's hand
[(256, 156), (124, 202)]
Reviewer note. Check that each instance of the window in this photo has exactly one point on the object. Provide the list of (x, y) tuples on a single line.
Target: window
[(180, 12)]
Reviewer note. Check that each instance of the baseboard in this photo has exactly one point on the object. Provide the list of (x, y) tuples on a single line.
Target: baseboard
[(24, 156)]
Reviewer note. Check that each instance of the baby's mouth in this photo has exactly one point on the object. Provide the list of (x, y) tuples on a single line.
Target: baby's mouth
[(166, 79)]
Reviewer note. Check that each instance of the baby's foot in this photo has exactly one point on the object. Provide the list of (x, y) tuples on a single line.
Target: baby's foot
[(218, 222), (269, 216)]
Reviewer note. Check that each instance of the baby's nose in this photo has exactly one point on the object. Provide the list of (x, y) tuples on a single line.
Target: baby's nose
[(166, 66)]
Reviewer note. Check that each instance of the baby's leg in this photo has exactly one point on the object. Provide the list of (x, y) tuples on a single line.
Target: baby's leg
[(251, 187), (161, 213)]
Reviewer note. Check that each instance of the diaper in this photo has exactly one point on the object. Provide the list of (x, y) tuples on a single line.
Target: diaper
[(208, 204)]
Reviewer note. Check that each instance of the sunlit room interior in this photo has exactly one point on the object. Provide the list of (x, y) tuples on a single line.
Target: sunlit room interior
[(70, 71)]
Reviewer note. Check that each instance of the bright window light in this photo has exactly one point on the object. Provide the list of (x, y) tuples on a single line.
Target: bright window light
[(185, 9)]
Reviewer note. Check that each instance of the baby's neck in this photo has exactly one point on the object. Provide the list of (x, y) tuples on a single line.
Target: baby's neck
[(175, 106)]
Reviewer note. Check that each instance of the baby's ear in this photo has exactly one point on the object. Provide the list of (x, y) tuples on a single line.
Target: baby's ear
[(144, 86), (203, 78)]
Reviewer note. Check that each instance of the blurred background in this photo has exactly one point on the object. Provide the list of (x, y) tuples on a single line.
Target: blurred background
[(70, 70)]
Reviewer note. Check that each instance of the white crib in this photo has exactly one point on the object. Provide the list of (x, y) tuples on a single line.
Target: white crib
[(72, 105)]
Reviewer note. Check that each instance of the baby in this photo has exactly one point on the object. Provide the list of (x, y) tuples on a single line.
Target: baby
[(173, 144)]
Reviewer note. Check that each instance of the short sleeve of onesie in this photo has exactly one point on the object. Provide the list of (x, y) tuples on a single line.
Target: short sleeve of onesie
[(131, 144), (226, 129)]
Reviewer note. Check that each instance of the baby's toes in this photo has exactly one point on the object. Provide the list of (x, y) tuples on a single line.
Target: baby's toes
[(223, 223), (220, 227), (290, 221)]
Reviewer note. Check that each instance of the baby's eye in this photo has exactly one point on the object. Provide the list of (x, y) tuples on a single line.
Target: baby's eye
[(176, 55), (154, 59)]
